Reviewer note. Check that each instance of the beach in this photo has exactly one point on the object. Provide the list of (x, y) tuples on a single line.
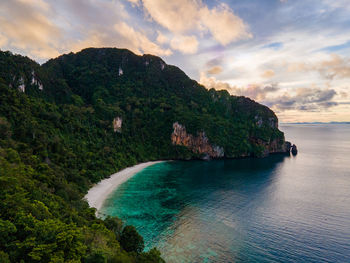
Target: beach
[(99, 192)]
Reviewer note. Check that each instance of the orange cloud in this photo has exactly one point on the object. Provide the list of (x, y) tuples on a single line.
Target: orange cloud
[(223, 24), (185, 15), (301, 99), (26, 26), (162, 39), (185, 44), (215, 70), (268, 74), (334, 67), (139, 42)]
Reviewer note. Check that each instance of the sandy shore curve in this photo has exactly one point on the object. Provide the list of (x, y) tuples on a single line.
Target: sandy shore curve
[(99, 192)]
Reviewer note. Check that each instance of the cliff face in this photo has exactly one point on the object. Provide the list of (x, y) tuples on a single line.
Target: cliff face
[(198, 144), (260, 146), (143, 98), (277, 145)]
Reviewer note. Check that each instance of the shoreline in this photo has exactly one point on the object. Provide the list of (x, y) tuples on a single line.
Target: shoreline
[(97, 194)]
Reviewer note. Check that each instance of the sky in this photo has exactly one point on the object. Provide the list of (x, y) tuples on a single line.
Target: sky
[(291, 55)]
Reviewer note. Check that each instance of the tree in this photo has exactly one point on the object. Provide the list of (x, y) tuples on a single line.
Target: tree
[(131, 240), (152, 256), (114, 224), (4, 258)]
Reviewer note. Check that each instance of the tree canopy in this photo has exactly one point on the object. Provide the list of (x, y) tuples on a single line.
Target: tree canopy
[(57, 139)]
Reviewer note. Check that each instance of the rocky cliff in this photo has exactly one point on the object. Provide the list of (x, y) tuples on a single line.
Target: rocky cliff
[(277, 145), (198, 144), (143, 104)]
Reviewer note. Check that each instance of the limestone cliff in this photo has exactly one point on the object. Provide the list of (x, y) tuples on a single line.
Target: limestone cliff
[(272, 146), (198, 144)]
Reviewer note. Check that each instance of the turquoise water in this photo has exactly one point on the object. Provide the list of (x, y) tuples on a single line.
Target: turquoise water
[(277, 209)]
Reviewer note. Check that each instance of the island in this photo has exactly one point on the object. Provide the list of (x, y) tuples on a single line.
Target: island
[(78, 118)]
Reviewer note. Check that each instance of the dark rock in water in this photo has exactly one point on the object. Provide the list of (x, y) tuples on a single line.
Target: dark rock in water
[(287, 147), (294, 149)]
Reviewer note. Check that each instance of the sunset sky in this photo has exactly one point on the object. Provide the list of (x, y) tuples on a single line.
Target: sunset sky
[(291, 55)]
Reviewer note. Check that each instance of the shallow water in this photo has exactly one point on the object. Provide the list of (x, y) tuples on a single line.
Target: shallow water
[(277, 209)]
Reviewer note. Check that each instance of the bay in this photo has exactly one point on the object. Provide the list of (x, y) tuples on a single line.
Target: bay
[(275, 209)]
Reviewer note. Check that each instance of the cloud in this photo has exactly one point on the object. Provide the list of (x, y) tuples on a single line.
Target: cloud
[(106, 23), (46, 29), (3, 40), (139, 42), (185, 44), (333, 67), (253, 91), (214, 62), (343, 94), (214, 70), (134, 2), (38, 3), (25, 25), (336, 66), (223, 24), (302, 99), (268, 74), (123, 36), (183, 16), (162, 39)]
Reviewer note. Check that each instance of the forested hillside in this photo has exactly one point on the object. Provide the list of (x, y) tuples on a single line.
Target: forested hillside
[(81, 117)]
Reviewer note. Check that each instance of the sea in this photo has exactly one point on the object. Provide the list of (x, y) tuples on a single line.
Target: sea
[(274, 209)]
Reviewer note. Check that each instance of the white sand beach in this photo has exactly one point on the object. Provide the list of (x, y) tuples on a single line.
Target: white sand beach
[(98, 193)]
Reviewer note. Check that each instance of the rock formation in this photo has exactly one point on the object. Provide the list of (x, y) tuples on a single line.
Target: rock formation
[(273, 146), (198, 144), (120, 71), (294, 150), (21, 86), (117, 124)]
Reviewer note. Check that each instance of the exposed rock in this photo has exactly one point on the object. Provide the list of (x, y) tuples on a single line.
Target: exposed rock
[(120, 71), (36, 82), (197, 144), (258, 120), (162, 65), (273, 123), (287, 146), (294, 149), (33, 78), (273, 146), (21, 85), (117, 124)]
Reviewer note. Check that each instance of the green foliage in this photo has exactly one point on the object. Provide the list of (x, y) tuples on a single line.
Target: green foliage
[(4, 257), (56, 142), (152, 256), (131, 241), (115, 225)]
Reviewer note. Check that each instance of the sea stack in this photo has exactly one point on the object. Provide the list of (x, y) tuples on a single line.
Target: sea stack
[(294, 149)]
